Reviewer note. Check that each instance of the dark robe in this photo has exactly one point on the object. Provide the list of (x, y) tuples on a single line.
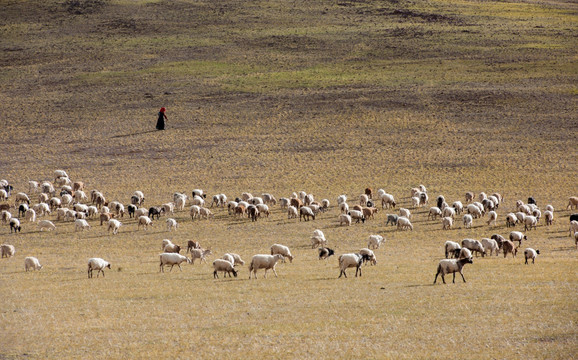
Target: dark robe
[(161, 121)]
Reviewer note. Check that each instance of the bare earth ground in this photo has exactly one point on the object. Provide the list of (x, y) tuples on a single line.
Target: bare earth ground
[(277, 97)]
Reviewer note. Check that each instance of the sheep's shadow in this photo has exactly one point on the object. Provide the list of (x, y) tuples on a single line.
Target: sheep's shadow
[(133, 134)]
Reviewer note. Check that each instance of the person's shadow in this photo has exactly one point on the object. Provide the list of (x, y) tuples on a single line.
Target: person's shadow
[(133, 134)]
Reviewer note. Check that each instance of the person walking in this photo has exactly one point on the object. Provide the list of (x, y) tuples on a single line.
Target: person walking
[(161, 120)]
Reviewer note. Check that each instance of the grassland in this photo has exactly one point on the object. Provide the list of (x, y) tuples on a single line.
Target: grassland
[(265, 96)]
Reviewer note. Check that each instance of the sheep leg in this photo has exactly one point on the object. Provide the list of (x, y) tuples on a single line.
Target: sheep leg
[(89, 271), (215, 276), (454, 278), (274, 272), (179, 265), (161, 267), (462, 274)]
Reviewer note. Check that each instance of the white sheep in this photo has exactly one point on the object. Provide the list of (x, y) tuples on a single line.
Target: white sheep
[(60, 173), (453, 248), (447, 223), (172, 259), (306, 212), (351, 260), (465, 253), (405, 213), (325, 204), (468, 221), (474, 210), (292, 212), (145, 222), (344, 208), (517, 236), (458, 207), (491, 245), (32, 263), (449, 212), (81, 224), (368, 255), (30, 215), (356, 215), (530, 253), (33, 186), (200, 254), (237, 259), (180, 202), (387, 201), (341, 199), (451, 266), (262, 261), (572, 203), (197, 200), (97, 264), (434, 212), (169, 247), (521, 216), (6, 216), (21, 197), (344, 219), (172, 224), (195, 211), (41, 209), (530, 221), (573, 227), (284, 202), (46, 225), (225, 266), (415, 201), (114, 225), (375, 241), (493, 216), (549, 217), (7, 250), (363, 199), (282, 250), (511, 219), (473, 245), (263, 210), (269, 199), (403, 223)]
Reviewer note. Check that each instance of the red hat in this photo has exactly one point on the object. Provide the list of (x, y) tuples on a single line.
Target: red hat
[(163, 109)]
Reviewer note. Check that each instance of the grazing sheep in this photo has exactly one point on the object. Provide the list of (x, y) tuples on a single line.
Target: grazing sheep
[(253, 213), (296, 203), (145, 222), (521, 216), (325, 252), (468, 221), (470, 196), (341, 199), (306, 212), (97, 264), (369, 212), (21, 197), (465, 253), (261, 261), (81, 224), (530, 253), (549, 217), (368, 255), (491, 245), (530, 221), (325, 205), (449, 212), (572, 203), (22, 209), (363, 199), (237, 259), (344, 208), (246, 196), (114, 225), (493, 216), (282, 250), (171, 248), (30, 215), (518, 236), (200, 254), (391, 218), (104, 218), (474, 211), (511, 220), (318, 239), (172, 224), (32, 263), (451, 266), (573, 227), (284, 202), (357, 215), (225, 266), (375, 241), (292, 212), (264, 210), (405, 213), (172, 259), (15, 225), (453, 248), (205, 213), (351, 260), (387, 201), (508, 247), (33, 186), (3, 195), (458, 207), (447, 223), (473, 245), (403, 223), (7, 250), (46, 225), (415, 201), (155, 210)]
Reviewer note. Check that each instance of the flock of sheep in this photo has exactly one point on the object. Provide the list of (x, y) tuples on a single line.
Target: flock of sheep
[(73, 204)]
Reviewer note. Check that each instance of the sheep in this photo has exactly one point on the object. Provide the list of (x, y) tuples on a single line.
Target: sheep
[(449, 212), (473, 245), (518, 236), (97, 264), (341, 199), (525, 209), (573, 227), (60, 173), (572, 203), (200, 254), (33, 186), (256, 200), (145, 222), (530, 221), (237, 259), (79, 196), (156, 210), (261, 261), (192, 244), (172, 259), (325, 252), (253, 213), (81, 224), (264, 210), (530, 253), (91, 211), (549, 217), (369, 256), (493, 216), (488, 205), (465, 253), (508, 247), (344, 208), (351, 260), (282, 250), (284, 202), (306, 212), (3, 195), (172, 224), (66, 200), (42, 209), (458, 207), (451, 266), (387, 201), (447, 223), (21, 197), (434, 212), (415, 201), (15, 225), (511, 220), (46, 225), (369, 212), (470, 196), (357, 215), (403, 223), (199, 192), (363, 199), (225, 266), (453, 248), (467, 221), (195, 211), (169, 247), (7, 250), (47, 188), (31, 262), (405, 213), (391, 218), (375, 241), (246, 196), (205, 213), (114, 225), (491, 245), (105, 218), (423, 199), (30, 215), (474, 210), (521, 216), (292, 212)]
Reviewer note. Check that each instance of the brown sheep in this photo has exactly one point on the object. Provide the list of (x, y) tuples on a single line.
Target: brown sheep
[(296, 202), (240, 210), (104, 218), (369, 193), (77, 185), (192, 244), (572, 203), (470, 196), (369, 212), (357, 207), (508, 247)]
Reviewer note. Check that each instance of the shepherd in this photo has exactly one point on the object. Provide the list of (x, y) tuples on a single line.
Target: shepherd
[(161, 120)]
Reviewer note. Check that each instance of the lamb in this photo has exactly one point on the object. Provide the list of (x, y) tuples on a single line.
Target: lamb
[(261, 261), (81, 224), (282, 250), (46, 225), (30, 215), (491, 245), (508, 247), (114, 225), (518, 236), (473, 245), (15, 225), (368, 255), (493, 216), (305, 212), (530, 221), (351, 260), (447, 223), (403, 223), (453, 248), (468, 220), (145, 222), (225, 266), (172, 259), (511, 220), (292, 212), (357, 215), (97, 264), (200, 254), (7, 250), (391, 218), (530, 253), (375, 241), (31, 262), (572, 203), (451, 266), (325, 252)]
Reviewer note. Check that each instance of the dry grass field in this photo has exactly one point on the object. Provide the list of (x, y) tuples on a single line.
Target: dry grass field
[(281, 96)]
